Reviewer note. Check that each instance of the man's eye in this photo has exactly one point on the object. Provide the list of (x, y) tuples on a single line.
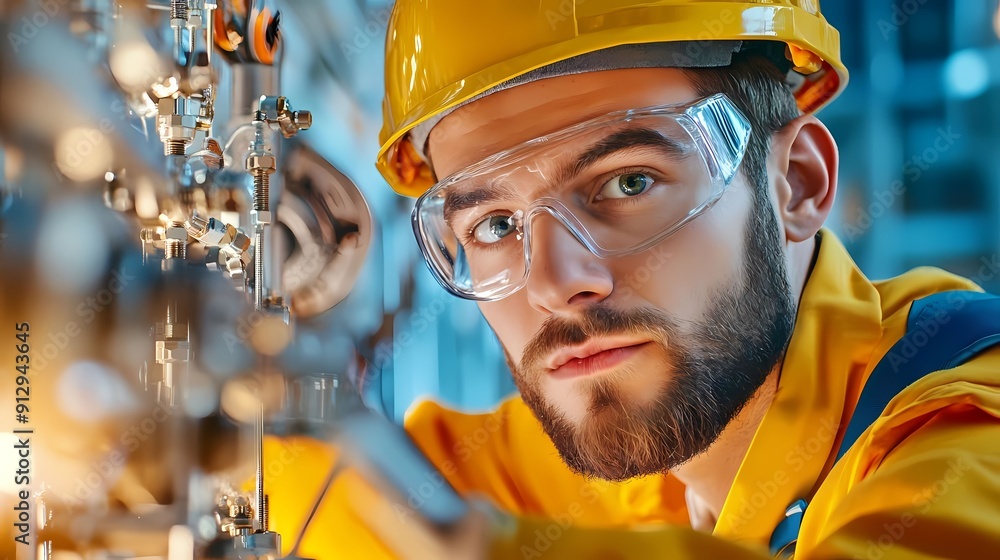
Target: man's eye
[(625, 185), (493, 229)]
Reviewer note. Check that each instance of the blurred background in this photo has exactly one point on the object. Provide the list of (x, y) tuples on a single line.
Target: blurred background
[(918, 184), (126, 226)]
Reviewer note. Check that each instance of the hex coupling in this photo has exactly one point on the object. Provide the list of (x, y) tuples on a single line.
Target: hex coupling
[(261, 165), (175, 241), (280, 116), (176, 129), (214, 233), (260, 161)]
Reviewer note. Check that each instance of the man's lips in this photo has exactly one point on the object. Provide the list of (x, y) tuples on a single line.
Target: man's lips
[(592, 357)]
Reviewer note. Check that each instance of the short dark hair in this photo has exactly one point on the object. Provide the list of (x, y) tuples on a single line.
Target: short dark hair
[(758, 88)]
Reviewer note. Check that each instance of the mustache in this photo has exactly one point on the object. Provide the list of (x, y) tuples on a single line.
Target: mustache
[(597, 320)]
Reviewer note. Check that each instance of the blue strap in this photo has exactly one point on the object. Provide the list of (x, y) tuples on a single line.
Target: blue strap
[(943, 330), (787, 532)]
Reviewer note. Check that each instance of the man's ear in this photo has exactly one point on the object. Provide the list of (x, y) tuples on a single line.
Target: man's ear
[(803, 162)]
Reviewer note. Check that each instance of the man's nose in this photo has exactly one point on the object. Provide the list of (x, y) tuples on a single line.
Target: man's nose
[(564, 276)]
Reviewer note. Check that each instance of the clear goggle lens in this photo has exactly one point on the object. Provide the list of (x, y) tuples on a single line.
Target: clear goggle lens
[(620, 183)]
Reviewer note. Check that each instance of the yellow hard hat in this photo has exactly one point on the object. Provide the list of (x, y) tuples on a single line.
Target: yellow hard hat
[(442, 53)]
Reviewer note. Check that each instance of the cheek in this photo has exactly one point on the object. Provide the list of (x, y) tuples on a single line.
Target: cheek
[(681, 274), (513, 321)]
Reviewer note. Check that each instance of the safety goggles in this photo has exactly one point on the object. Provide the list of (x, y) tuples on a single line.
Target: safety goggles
[(620, 183)]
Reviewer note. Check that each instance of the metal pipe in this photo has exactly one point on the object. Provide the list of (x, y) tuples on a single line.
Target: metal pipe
[(209, 36), (178, 18), (261, 508)]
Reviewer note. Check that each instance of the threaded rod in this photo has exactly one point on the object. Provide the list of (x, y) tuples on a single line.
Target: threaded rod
[(175, 248), (259, 495), (178, 9), (175, 148), (265, 518), (258, 268), (261, 190)]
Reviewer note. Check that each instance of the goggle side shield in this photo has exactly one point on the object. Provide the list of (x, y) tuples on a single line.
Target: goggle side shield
[(679, 159)]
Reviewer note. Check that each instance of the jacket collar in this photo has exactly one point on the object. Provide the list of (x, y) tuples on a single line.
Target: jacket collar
[(837, 328)]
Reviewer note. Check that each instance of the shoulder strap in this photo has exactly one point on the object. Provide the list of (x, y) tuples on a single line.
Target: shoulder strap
[(943, 330)]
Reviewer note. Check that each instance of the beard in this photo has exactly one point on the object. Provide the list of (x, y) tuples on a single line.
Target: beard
[(716, 365)]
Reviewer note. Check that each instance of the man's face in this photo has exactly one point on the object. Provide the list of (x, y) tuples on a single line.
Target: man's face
[(632, 364)]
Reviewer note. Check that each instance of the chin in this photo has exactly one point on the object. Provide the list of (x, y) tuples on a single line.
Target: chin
[(606, 397)]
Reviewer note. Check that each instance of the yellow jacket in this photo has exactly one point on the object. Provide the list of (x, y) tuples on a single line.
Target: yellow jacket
[(923, 482)]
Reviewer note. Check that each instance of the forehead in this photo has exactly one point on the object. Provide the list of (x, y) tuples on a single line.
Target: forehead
[(509, 117)]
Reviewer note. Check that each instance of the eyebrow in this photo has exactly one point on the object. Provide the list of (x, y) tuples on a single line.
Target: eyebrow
[(457, 202), (621, 140)]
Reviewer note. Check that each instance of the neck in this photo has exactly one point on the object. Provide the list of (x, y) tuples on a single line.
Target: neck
[(710, 475)]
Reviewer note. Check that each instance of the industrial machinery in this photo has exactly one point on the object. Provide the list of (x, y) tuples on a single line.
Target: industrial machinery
[(165, 239)]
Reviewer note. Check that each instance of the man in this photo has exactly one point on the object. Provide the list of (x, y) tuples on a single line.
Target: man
[(634, 192)]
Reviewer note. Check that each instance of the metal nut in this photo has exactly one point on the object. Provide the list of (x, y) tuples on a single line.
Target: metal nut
[(236, 266), (177, 126), (170, 352), (260, 161), (165, 106), (175, 233), (302, 119), (234, 259), (241, 242), (262, 216), (212, 237), (240, 511), (213, 232), (185, 121), (238, 250), (176, 355)]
